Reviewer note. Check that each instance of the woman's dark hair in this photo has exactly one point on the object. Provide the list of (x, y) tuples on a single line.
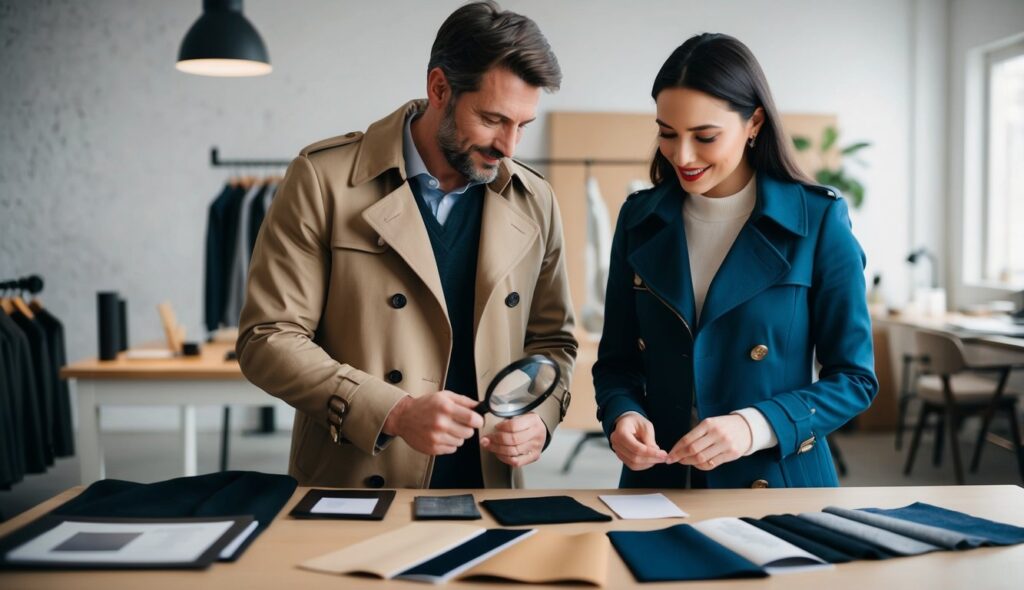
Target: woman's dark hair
[(723, 67), (480, 35)]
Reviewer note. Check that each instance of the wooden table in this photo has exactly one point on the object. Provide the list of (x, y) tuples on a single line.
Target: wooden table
[(185, 382), (270, 562)]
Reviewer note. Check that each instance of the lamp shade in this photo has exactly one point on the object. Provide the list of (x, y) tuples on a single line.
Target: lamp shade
[(223, 43)]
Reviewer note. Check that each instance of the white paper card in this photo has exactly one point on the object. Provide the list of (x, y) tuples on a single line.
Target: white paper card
[(345, 506), (643, 506), (761, 548), (100, 542)]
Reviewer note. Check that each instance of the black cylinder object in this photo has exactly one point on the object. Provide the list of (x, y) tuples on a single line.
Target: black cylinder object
[(109, 324), (122, 315)]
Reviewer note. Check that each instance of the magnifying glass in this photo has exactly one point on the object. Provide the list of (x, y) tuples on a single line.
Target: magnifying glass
[(520, 387)]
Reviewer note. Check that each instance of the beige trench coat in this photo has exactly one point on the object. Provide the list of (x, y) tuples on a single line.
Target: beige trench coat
[(342, 238)]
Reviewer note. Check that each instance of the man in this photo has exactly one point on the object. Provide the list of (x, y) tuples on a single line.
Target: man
[(399, 270)]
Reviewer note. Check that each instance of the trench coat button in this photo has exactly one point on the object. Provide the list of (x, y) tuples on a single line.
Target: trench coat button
[(398, 301), (758, 484), (806, 445), (759, 352), (374, 481), (641, 344), (637, 280), (512, 300), (381, 242), (394, 376), (350, 134)]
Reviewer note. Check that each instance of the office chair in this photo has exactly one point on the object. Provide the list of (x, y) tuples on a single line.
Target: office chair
[(955, 390)]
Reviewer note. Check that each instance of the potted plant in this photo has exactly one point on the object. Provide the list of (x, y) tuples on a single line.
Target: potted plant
[(836, 177)]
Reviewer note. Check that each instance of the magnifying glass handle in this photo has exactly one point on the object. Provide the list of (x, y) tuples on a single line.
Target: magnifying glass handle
[(481, 408)]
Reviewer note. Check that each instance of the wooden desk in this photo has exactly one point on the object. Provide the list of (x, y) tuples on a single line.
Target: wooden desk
[(894, 337), (1007, 343), (271, 560), (185, 382)]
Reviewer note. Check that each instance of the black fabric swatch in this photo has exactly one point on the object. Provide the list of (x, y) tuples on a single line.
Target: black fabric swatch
[(819, 534), (542, 510), (829, 554)]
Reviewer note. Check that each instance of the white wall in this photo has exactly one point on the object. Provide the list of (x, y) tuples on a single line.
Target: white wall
[(104, 177)]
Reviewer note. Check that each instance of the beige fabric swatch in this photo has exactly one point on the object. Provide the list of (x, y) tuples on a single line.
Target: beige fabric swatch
[(549, 557), (391, 553)]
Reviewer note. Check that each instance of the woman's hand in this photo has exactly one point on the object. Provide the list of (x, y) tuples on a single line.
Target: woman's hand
[(713, 442), (633, 442)]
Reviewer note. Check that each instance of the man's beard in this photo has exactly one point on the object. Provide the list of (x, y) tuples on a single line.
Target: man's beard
[(459, 159)]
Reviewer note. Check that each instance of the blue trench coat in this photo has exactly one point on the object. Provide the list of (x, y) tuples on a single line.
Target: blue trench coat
[(791, 289)]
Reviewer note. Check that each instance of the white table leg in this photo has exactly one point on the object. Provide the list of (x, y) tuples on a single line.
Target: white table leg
[(188, 434), (90, 453)]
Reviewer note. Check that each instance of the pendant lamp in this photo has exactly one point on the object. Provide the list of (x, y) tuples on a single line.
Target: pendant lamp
[(223, 43)]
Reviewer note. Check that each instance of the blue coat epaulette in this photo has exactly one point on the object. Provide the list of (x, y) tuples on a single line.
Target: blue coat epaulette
[(825, 190)]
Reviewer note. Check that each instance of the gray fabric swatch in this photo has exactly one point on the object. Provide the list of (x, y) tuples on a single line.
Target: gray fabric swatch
[(922, 532), (892, 542)]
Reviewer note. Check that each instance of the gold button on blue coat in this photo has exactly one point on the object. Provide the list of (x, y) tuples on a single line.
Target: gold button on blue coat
[(759, 352)]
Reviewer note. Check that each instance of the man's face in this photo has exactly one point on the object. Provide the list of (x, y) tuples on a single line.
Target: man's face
[(479, 128)]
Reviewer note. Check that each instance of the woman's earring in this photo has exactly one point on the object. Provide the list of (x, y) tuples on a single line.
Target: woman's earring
[(750, 141)]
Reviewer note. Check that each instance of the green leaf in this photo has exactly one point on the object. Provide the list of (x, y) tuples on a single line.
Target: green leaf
[(852, 149), (855, 193), (801, 143), (824, 176), (829, 138)]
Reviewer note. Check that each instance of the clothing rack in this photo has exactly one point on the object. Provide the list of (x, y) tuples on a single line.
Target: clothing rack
[(32, 284), (588, 163)]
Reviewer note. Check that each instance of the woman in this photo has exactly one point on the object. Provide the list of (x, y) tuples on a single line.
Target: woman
[(728, 279)]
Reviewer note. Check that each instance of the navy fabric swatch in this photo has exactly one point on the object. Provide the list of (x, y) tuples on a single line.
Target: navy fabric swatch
[(542, 510), (679, 553), (819, 534), (829, 554), (995, 533)]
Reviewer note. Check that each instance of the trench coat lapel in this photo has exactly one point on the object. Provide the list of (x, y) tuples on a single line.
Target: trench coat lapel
[(506, 235), (661, 260), (756, 260), (398, 221)]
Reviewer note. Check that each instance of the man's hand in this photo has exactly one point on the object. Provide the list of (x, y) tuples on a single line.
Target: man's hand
[(634, 444), (434, 424), (517, 441), (713, 442)]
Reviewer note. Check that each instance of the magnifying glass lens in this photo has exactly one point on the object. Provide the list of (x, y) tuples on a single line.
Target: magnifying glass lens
[(522, 387)]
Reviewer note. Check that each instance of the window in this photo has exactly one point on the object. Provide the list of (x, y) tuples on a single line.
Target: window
[(1003, 193)]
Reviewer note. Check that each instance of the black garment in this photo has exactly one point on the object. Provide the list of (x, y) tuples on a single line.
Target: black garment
[(43, 371), (226, 493), (256, 214), (456, 245), (63, 435), (12, 460), (221, 234), (28, 398)]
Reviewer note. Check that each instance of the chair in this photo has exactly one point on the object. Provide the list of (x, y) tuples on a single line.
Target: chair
[(955, 390), (912, 364)]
